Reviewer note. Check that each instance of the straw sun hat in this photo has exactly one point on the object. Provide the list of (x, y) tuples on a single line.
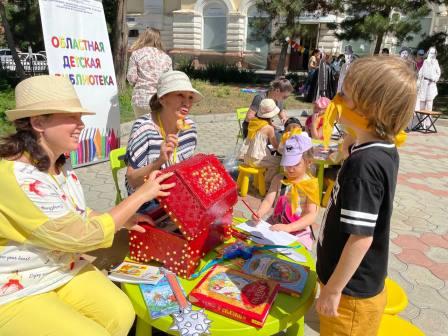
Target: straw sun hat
[(45, 95)]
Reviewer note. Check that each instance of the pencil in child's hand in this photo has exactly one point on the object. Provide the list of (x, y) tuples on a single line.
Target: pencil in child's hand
[(250, 209)]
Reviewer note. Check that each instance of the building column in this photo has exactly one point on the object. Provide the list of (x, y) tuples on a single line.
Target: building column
[(187, 30), (235, 32)]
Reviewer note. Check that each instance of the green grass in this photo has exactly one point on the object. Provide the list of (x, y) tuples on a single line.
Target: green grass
[(126, 111), (218, 98), (6, 103)]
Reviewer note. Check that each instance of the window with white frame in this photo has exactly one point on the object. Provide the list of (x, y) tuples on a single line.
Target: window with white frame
[(256, 41), (215, 26)]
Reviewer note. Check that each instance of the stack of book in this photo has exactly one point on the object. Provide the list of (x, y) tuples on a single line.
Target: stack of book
[(236, 295)]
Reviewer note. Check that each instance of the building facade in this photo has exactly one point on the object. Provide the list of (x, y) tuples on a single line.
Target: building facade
[(220, 31)]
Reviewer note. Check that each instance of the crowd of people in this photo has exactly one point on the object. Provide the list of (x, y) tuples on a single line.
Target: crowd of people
[(46, 287)]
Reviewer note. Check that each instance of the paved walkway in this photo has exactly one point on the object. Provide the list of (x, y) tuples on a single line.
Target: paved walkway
[(419, 238)]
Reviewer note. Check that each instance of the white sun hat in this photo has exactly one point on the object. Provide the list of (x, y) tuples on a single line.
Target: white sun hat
[(268, 109), (172, 81)]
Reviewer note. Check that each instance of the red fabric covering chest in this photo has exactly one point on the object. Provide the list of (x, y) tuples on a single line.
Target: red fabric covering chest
[(200, 206)]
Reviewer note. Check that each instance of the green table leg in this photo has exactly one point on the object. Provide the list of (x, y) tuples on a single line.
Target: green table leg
[(297, 329), (143, 328)]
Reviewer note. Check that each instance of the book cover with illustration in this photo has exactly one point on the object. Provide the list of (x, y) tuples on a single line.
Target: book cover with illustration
[(236, 295), (160, 299), (292, 277), (131, 272)]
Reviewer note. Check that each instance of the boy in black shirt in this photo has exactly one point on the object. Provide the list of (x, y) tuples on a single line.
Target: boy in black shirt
[(377, 102)]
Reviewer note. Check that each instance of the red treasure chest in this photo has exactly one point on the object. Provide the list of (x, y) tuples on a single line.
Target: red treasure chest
[(192, 220)]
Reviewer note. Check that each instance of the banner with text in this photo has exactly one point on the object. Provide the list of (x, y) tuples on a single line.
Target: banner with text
[(77, 46)]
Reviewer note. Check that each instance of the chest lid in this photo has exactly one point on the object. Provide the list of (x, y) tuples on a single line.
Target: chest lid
[(203, 193)]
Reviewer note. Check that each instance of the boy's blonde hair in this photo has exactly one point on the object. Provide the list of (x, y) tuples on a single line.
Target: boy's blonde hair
[(384, 90), (149, 38)]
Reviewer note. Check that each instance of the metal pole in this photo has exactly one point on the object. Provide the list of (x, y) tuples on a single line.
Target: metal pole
[(30, 55)]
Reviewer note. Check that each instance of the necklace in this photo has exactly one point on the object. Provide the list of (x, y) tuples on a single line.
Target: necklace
[(70, 198), (162, 130)]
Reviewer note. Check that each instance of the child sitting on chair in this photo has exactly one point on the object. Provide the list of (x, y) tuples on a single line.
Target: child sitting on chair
[(296, 196), (292, 124), (255, 151), (314, 124)]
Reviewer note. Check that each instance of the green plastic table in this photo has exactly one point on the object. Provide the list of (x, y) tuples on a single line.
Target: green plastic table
[(287, 312), (321, 165)]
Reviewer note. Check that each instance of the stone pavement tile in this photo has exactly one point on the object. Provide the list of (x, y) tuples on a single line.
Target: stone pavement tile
[(438, 254), (415, 257), (418, 275), (415, 212), (420, 224), (440, 271), (253, 202), (424, 296), (440, 229), (312, 321), (411, 312), (401, 231), (101, 204), (410, 242), (393, 234), (401, 225), (418, 213), (104, 188), (434, 240), (444, 291), (432, 323), (407, 285), (393, 248), (399, 215), (312, 328), (395, 264)]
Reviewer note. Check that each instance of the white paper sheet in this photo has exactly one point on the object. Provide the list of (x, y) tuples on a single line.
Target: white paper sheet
[(291, 254), (262, 234)]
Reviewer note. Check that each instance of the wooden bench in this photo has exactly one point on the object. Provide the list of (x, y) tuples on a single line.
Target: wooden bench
[(422, 116)]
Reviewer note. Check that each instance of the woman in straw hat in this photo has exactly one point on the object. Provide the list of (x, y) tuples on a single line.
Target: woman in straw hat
[(147, 62), (45, 285), (261, 132), (166, 136)]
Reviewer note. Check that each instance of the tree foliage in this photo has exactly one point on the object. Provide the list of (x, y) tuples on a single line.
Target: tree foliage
[(24, 19), (372, 19), (284, 17)]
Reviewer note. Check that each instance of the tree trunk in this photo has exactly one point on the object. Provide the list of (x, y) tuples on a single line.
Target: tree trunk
[(120, 43), (11, 44), (281, 60), (379, 41)]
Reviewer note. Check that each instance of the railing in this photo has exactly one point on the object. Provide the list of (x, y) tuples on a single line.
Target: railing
[(31, 68)]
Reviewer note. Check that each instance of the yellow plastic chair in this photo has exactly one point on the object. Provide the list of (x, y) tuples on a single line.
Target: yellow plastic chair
[(240, 116), (116, 161), (243, 179), (397, 300), (393, 325), (326, 198)]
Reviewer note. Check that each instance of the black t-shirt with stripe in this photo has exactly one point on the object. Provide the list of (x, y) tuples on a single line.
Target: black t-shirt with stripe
[(361, 204)]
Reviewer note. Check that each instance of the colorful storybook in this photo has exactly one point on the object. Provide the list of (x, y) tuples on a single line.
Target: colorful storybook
[(291, 277), (160, 299), (236, 295), (130, 272)]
